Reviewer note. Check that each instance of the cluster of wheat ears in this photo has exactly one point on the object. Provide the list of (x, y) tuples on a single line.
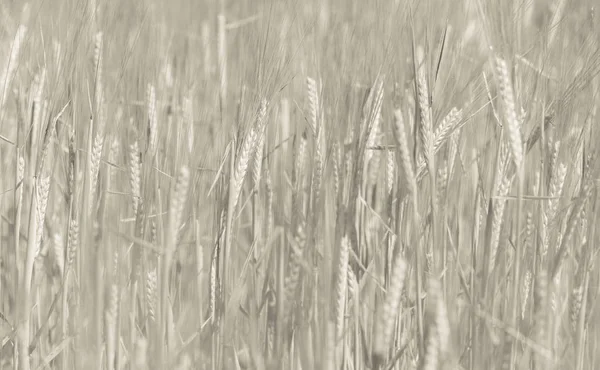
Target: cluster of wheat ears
[(325, 194)]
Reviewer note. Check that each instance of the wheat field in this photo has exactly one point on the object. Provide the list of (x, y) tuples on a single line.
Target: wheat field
[(277, 184)]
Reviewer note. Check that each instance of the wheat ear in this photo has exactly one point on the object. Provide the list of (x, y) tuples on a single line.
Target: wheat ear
[(178, 199), (390, 310)]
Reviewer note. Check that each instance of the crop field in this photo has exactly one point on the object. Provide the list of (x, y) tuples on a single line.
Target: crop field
[(282, 184)]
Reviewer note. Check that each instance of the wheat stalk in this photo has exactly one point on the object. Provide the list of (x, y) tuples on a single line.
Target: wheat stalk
[(222, 57), (111, 330), (207, 64), (540, 302), (99, 87)]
